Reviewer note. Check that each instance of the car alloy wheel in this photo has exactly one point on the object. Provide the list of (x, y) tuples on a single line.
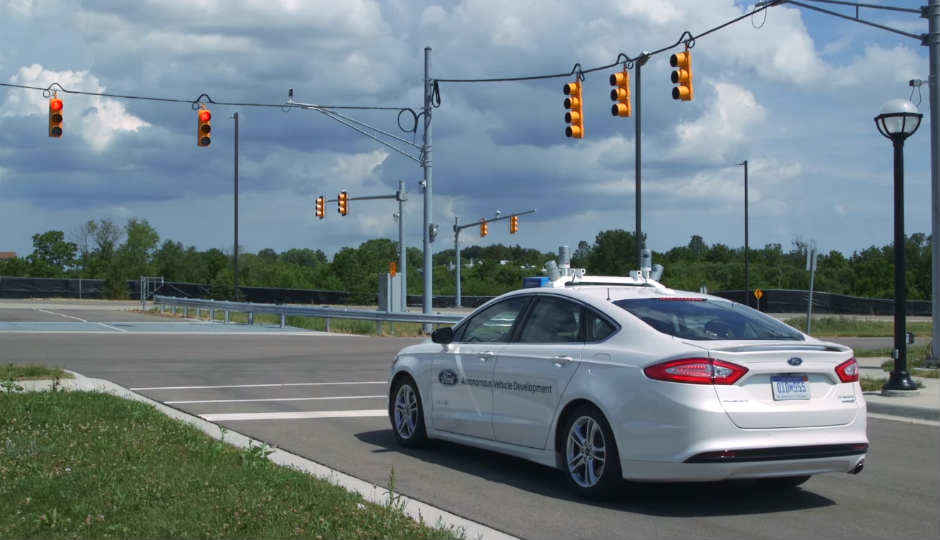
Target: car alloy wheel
[(586, 452), (406, 411)]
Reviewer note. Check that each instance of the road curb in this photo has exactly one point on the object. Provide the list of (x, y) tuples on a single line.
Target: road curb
[(923, 413), (415, 509)]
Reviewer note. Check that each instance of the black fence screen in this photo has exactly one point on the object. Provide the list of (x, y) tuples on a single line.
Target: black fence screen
[(773, 300)]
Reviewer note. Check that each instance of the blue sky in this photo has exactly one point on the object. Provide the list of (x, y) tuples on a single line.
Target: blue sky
[(795, 96)]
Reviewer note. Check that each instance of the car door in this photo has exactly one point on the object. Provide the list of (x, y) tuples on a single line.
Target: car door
[(532, 372), (462, 379)]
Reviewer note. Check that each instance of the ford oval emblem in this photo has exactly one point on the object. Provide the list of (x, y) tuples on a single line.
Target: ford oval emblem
[(795, 361), (447, 377)]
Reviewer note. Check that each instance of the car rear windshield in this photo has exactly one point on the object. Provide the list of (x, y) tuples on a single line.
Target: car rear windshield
[(702, 319)]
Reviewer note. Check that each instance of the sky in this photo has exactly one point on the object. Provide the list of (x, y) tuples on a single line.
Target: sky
[(794, 93)]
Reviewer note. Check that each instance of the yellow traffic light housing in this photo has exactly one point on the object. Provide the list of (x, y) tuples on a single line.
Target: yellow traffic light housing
[(513, 224), (203, 126), (575, 114), (621, 94), (343, 203), (321, 207), (682, 76), (484, 228), (55, 116)]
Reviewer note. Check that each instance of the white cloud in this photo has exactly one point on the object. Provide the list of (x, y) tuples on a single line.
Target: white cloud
[(99, 119), (357, 168), (881, 65), (729, 119)]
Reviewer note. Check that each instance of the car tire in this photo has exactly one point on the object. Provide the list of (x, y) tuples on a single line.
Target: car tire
[(407, 413), (579, 463), (784, 482)]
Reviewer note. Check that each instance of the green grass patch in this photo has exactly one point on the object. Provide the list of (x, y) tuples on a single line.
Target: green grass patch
[(28, 372), (343, 326), (871, 385), (915, 352), (855, 327), (91, 465)]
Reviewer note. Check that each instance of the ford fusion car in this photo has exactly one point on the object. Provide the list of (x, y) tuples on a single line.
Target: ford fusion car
[(623, 378)]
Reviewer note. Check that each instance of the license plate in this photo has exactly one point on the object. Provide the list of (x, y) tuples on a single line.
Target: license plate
[(787, 387)]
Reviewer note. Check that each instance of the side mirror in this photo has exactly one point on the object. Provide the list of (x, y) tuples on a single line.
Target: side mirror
[(443, 335)]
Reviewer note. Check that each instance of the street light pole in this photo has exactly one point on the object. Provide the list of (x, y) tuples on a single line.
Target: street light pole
[(639, 157), (457, 301), (932, 13), (899, 120), (235, 253), (402, 250)]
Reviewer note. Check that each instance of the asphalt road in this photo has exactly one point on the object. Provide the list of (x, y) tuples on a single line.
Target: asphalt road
[(896, 496)]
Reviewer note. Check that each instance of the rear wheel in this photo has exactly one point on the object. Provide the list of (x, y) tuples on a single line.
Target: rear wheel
[(406, 413), (785, 482), (591, 463)]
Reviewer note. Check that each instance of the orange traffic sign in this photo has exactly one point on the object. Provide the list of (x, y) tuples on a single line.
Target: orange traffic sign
[(758, 294)]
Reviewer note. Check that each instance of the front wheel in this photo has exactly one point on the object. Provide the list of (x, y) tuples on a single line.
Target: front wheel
[(407, 414), (591, 462)]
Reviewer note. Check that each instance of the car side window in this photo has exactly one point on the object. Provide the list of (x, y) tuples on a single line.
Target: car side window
[(596, 328), (552, 320), (494, 324)]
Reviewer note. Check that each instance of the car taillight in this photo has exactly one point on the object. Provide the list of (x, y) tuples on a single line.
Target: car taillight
[(696, 371), (848, 370)]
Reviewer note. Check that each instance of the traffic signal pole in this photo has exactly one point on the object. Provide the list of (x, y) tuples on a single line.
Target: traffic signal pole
[(235, 253), (639, 158), (457, 228), (426, 184)]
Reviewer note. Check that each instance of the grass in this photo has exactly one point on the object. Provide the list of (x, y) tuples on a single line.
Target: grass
[(91, 465), (849, 326), (871, 385), (345, 326), (30, 372)]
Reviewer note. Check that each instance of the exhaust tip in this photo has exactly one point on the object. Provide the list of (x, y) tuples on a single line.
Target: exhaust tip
[(858, 468)]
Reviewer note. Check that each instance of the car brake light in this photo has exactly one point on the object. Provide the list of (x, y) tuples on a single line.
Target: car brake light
[(848, 370), (696, 371)]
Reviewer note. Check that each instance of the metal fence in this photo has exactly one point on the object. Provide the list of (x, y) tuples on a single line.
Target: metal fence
[(213, 306)]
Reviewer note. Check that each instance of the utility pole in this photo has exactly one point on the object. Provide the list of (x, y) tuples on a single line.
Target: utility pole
[(457, 300), (426, 184), (235, 254), (644, 56), (747, 273), (932, 13)]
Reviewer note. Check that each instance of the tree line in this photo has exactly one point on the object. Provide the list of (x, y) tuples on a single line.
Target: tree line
[(116, 253)]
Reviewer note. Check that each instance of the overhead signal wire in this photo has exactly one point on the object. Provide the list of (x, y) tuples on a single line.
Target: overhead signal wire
[(58, 87), (686, 38)]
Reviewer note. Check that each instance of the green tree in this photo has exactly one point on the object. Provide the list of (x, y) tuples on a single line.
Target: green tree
[(52, 256)]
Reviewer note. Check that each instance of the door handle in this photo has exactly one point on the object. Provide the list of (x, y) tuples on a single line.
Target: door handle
[(485, 356), (562, 360)]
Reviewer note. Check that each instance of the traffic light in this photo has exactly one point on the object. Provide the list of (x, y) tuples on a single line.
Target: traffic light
[(513, 224), (203, 127), (343, 203), (484, 228), (55, 116), (575, 114), (682, 76), (321, 207), (621, 94)]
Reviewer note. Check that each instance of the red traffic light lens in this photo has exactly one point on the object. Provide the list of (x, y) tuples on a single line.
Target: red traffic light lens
[(55, 104), (205, 115)]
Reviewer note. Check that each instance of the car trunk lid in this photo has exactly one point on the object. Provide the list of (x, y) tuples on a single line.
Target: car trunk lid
[(787, 385)]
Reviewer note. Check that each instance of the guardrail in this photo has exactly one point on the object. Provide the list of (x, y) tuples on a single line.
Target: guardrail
[(302, 311)]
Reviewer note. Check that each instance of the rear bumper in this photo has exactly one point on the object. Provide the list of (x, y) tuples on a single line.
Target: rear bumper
[(705, 472)]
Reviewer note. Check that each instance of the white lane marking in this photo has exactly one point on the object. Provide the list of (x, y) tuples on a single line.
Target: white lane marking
[(61, 315), (270, 399), (295, 415), (112, 327), (175, 333), (905, 419), (256, 385)]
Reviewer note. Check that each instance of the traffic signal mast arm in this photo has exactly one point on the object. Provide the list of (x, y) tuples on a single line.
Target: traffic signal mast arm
[(490, 220)]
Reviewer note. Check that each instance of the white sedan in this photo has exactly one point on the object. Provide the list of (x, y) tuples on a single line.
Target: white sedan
[(635, 382)]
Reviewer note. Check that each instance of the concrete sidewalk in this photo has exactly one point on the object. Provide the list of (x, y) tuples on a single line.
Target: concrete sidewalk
[(924, 403)]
